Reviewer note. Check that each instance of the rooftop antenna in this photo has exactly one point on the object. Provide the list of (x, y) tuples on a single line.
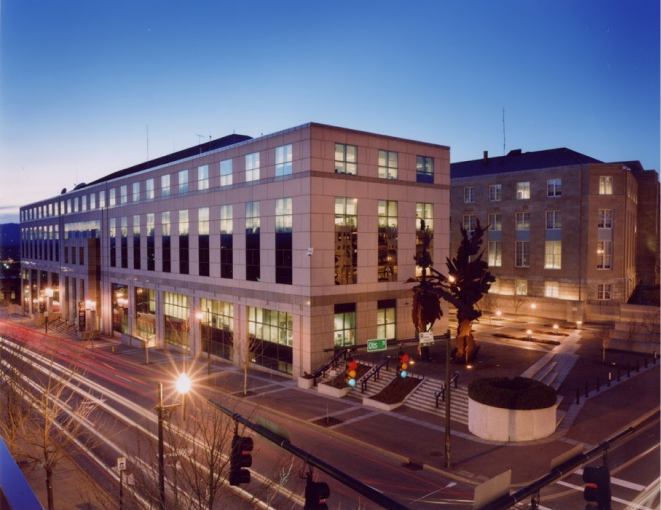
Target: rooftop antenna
[(503, 130)]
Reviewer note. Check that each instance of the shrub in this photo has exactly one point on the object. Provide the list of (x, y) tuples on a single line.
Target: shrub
[(520, 393)]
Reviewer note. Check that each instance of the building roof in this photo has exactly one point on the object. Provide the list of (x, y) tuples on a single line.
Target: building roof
[(517, 161), (225, 141)]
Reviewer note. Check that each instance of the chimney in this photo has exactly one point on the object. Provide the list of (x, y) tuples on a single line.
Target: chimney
[(485, 157)]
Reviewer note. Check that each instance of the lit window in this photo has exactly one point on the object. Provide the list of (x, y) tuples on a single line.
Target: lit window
[(345, 324), (203, 177), (553, 259), (252, 167), (165, 185), (149, 189), (136, 191), (523, 191), (553, 220), (111, 198), (283, 160), (386, 319), (523, 221), (554, 188), (495, 221), (346, 159), (605, 185), (605, 218), (123, 194), (495, 192), (469, 221), (551, 289), (522, 254), (521, 287), (388, 164), (604, 254), (604, 291), (469, 195), (495, 254)]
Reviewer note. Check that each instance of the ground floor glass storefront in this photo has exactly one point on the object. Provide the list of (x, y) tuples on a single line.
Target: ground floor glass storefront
[(217, 328), (145, 313), (271, 339), (120, 308), (176, 313)]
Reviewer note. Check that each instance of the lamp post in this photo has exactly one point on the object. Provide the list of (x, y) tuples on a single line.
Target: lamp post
[(183, 385)]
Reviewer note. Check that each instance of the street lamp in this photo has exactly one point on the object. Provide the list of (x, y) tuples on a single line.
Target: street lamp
[(164, 412), (555, 329), (529, 333)]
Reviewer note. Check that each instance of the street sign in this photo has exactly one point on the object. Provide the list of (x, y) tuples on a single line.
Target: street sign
[(121, 463), (377, 344), (426, 337)]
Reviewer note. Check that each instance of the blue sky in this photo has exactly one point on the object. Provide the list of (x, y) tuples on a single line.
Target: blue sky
[(82, 82)]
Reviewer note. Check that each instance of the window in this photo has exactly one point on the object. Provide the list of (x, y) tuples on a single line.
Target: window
[(495, 254), (136, 192), (165, 185), (136, 242), (203, 177), (387, 241), (176, 312), (605, 185), (495, 192), (386, 315), (111, 199), (226, 172), (83, 203), (283, 241), (102, 199), (495, 221), (252, 242), (523, 221), (424, 231), (553, 259), (346, 241), (226, 242), (551, 289), (183, 181), (469, 195), (166, 242), (554, 188), (604, 291), (604, 254), (523, 191), (149, 189), (522, 254), (605, 218), (123, 194), (283, 160), (252, 167), (124, 246), (92, 201), (388, 164), (345, 325), (203, 240), (521, 287), (424, 169), (272, 334), (553, 220), (469, 222), (346, 159), (151, 243)]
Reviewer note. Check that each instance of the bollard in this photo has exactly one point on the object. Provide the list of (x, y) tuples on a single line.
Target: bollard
[(578, 396)]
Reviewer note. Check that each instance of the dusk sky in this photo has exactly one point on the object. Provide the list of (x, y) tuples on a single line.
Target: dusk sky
[(90, 87)]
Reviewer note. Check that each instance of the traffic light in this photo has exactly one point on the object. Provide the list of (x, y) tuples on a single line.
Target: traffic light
[(402, 364), (240, 458), (352, 366), (316, 494), (598, 488)]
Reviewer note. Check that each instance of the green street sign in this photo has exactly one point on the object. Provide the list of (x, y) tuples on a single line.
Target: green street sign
[(378, 344)]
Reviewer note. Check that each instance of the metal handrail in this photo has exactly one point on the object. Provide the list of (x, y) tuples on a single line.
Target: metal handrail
[(333, 362), (374, 372), (441, 393)]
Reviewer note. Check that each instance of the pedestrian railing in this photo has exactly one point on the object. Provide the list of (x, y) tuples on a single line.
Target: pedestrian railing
[(441, 393), (332, 363), (374, 373)]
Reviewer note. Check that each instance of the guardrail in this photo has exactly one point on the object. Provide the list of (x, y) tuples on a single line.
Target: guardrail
[(374, 372), (441, 393)]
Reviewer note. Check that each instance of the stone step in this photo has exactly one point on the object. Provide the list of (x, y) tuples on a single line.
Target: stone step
[(424, 399)]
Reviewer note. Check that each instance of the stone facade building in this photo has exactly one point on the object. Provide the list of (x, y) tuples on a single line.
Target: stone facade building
[(569, 237), (277, 249)]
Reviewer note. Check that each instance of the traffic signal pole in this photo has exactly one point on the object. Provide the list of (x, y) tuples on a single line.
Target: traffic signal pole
[(356, 485), (564, 469)]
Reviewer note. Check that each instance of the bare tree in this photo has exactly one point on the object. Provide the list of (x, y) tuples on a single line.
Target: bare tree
[(15, 411), (603, 335)]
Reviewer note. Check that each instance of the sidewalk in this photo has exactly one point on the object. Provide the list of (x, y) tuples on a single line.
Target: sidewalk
[(505, 351)]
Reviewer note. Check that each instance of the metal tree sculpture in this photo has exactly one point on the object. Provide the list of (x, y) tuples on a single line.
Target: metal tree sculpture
[(469, 279)]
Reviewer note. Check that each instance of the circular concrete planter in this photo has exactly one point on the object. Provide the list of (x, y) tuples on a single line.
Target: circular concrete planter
[(509, 425)]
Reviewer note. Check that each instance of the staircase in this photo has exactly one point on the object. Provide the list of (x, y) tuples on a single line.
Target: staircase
[(424, 399)]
